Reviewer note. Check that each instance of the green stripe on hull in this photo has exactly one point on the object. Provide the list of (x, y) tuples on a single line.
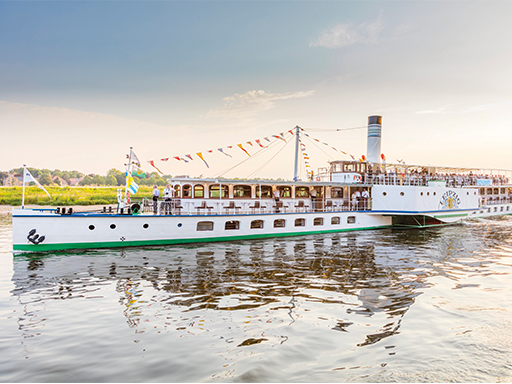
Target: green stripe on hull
[(118, 244), (454, 215)]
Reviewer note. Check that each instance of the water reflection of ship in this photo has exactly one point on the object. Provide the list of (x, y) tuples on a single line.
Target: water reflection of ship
[(279, 275)]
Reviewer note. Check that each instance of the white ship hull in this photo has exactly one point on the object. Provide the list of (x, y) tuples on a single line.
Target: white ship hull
[(74, 231)]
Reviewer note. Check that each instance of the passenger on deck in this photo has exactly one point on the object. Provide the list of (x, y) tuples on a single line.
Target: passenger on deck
[(354, 201), (156, 195), (168, 195), (358, 199), (276, 198), (365, 197)]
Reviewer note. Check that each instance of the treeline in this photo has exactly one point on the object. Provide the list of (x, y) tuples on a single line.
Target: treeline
[(113, 177)]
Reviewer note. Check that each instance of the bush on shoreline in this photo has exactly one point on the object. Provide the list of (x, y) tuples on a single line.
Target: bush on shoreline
[(64, 196)]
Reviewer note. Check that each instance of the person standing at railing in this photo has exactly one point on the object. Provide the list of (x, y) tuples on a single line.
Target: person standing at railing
[(276, 199), (156, 195), (313, 199), (358, 199), (365, 197), (354, 201), (168, 195)]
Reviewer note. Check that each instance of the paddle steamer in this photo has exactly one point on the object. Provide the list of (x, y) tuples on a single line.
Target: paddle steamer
[(345, 196)]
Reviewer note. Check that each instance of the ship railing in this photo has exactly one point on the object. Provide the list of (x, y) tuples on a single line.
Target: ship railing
[(422, 180), (178, 207), (496, 200)]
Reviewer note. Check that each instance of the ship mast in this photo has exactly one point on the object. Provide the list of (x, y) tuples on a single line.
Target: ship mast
[(296, 167)]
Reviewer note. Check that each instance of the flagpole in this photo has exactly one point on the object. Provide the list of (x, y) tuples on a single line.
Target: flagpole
[(23, 196), (296, 166), (127, 174)]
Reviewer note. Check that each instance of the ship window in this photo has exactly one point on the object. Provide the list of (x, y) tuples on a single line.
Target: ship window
[(495, 209), (384, 193), (242, 191), (301, 192), (318, 221), (91, 227), (482, 191), (285, 191), (421, 193), (335, 220), (256, 224), (198, 191), (508, 207), (349, 167), (501, 209), (215, 191), (263, 191), (177, 191), (232, 224), (336, 192), (279, 223), (502, 191), (145, 226), (496, 191), (205, 226), (351, 220), (434, 193), (428, 193), (401, 193), (488, 209), (112, 226), (300, 222), (489, 191), (187, 191)]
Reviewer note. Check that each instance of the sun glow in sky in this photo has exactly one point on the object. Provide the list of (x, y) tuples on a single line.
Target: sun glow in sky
[(82, 81)]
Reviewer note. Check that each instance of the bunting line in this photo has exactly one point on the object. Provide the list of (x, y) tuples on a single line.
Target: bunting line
[(256, 143)]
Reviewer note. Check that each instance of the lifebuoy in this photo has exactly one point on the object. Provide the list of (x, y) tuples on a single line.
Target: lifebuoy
[(317, 178)]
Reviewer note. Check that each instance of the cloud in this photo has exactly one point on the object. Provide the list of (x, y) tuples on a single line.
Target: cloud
[(250, 103), (343, 35), (441, 110), (451, 109)]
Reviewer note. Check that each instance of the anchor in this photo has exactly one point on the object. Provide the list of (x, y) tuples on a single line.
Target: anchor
[(34, 237)]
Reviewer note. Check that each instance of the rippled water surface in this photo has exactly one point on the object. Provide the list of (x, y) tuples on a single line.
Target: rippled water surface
[(430, 305)]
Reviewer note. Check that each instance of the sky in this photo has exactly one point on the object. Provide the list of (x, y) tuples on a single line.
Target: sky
[(83, 81)]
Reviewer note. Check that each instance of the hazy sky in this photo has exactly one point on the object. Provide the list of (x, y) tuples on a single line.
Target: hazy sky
[(82, 81)]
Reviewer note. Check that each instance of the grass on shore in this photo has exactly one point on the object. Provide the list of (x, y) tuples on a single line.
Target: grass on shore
[(64, 196)]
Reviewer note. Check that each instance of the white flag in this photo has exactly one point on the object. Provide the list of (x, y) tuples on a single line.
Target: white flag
[(135, 159), (27, 178)]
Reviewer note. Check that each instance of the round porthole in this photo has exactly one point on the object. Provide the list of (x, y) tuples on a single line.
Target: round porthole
[(384, 193), (112, 226), (434, 193), (179, 225), (401, 193), (428, 193), (421, 193), (91, 227), (145, 226)]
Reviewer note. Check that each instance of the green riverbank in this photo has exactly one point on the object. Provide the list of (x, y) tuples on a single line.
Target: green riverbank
[(65, 196)]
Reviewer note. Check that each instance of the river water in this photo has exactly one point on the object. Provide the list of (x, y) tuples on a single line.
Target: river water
[(408, 305)]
